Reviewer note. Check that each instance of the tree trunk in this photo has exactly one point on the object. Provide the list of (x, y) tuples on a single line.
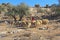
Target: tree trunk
[(14, 18), (20, 18)]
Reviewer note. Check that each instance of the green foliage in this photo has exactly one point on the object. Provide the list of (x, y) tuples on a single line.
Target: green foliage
[(23, 9), (37, 5), (58, 10), (46, 6)]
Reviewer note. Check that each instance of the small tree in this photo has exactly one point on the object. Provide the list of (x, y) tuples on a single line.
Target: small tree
[(12, 12), (58, 10), (46, 6), (23, 10), (37, 5)]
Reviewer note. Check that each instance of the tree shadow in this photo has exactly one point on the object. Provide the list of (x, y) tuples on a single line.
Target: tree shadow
[(51, 17)]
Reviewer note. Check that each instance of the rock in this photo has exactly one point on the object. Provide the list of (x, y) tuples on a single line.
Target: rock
[(2, 35), (21, 38), (4, 32), (43, 28), (57, 35), (15, 38)]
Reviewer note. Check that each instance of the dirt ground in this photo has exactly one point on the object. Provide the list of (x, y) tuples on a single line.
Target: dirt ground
[(12, 33)]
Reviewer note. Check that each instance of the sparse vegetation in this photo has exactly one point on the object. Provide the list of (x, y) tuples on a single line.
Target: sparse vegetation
[(37, 25)]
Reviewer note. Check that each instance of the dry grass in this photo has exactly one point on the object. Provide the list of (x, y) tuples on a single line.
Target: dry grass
[(31, 33)]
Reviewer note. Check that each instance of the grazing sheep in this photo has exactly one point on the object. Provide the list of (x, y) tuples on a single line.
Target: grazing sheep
[(24, 20), (35, 23), (29, 24), (45, 21), (38, 22)]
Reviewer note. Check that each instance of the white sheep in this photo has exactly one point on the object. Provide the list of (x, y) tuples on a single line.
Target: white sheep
[(45, 21), (38, 22)]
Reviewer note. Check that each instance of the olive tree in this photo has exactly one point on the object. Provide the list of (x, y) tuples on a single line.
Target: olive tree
[(23, 9), (12, 12)]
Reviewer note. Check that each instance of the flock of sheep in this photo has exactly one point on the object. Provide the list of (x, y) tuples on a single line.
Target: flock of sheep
[(34, 23)]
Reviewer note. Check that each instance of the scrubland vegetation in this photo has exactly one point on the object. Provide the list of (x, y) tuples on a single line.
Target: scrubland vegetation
[(22, 22)]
